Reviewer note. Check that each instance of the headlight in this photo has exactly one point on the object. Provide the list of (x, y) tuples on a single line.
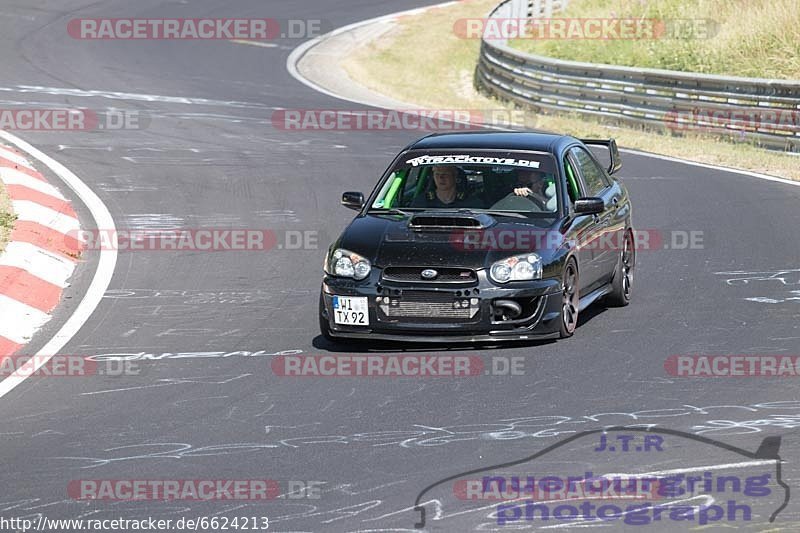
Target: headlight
[(517, 268), (347, 264)]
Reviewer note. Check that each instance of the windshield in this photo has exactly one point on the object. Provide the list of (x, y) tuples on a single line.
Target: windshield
[(521, 182)]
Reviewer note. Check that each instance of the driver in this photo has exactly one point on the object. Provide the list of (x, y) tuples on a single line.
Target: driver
[(446, 193), (531, 184)]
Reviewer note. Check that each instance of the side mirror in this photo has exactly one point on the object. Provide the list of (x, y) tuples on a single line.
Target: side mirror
[(589, 206), (353, 200)]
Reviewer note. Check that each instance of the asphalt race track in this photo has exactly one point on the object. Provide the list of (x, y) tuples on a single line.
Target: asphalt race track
[(209, 157)]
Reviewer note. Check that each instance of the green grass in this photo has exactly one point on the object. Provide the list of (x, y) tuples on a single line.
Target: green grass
[(751, 38), (6, 218)]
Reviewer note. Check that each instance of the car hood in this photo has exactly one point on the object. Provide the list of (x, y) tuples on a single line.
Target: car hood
[(389, 240)]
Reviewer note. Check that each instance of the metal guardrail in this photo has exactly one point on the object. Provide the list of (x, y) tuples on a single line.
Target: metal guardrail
[(763, 111)]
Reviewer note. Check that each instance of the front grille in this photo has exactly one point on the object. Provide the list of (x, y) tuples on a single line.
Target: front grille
[(428, 304), (426, 310), (414, 274)]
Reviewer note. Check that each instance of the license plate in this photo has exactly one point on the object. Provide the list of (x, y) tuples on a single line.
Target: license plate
[(349, 311)]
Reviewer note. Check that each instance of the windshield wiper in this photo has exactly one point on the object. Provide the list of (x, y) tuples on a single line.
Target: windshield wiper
[(515, 214), (390, 211)]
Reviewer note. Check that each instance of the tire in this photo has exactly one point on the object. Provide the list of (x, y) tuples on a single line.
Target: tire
[(622, 283), (324, 325), (570, 298)]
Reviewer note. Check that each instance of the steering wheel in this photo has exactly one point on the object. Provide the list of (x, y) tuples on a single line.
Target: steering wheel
[(512, 202)]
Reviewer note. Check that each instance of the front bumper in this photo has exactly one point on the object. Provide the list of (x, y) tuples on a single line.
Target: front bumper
[(479, 322)]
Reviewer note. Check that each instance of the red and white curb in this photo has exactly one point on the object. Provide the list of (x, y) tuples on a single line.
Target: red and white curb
[(103, 274), (41, 255)]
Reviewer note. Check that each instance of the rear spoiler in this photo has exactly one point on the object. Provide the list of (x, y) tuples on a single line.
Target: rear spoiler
[(611, 144)]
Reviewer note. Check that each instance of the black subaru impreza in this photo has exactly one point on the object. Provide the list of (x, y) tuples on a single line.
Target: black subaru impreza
[(481, 237)]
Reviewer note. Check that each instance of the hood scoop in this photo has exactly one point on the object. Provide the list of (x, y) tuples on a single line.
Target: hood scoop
[(448, 221)]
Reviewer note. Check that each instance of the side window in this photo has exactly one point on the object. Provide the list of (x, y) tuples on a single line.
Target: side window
[(594, 176)]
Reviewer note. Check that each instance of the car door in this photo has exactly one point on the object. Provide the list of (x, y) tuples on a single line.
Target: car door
[(582, 228), (609, 225)]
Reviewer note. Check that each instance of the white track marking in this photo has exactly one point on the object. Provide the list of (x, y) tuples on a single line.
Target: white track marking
[(297, 54), (38, 262), (11, 176), (254, 43), (15, 158), (20, 321), (724, 466), (136, 97), (713, 167), (100, 281), (33, 212)]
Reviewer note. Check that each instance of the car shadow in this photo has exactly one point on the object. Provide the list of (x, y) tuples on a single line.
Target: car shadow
[(585, 316), (366, 346)]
